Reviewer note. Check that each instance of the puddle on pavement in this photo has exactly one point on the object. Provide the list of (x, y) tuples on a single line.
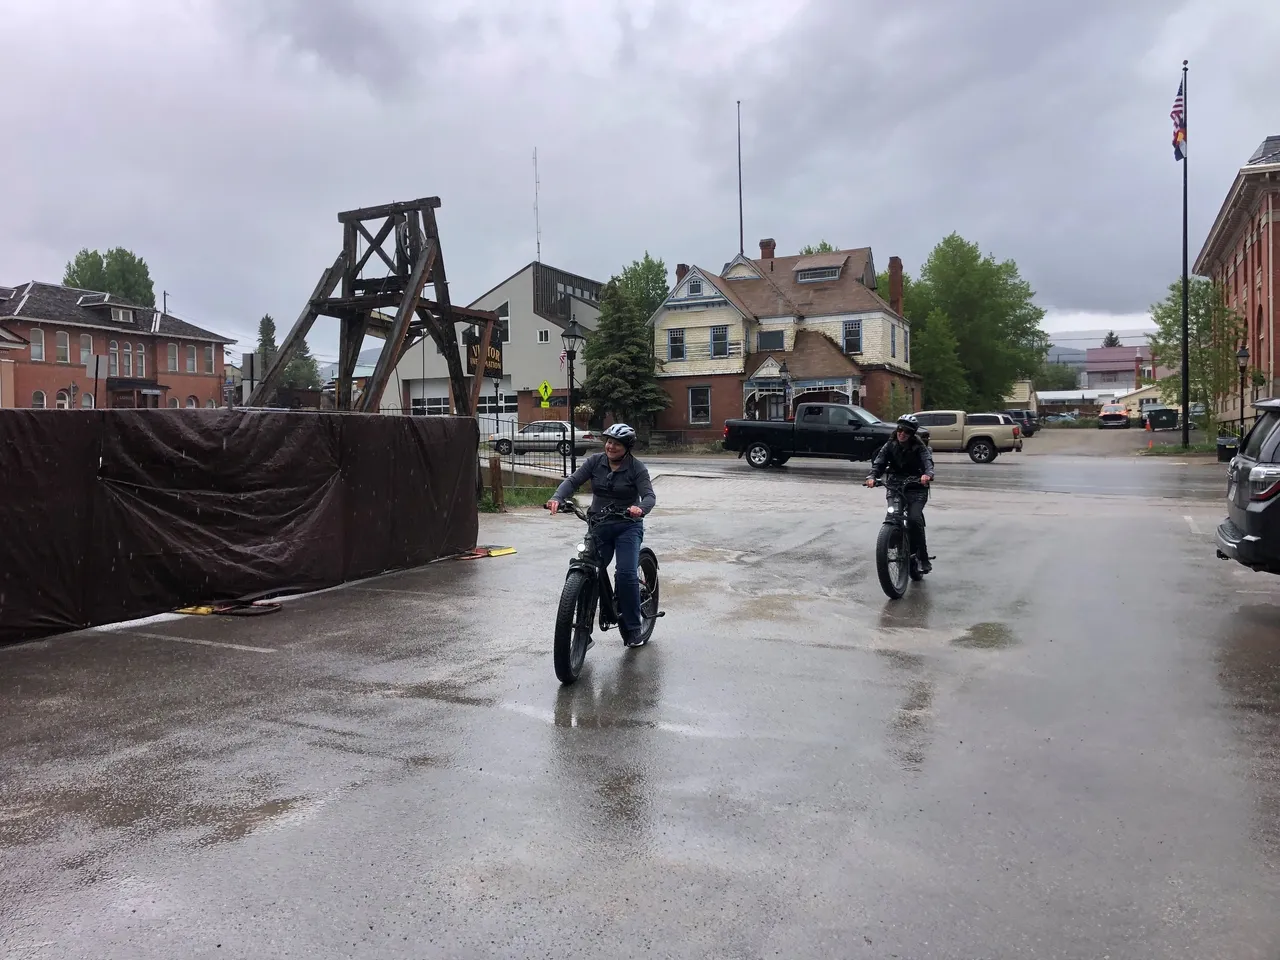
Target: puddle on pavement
[(986, 636), (770, 606), (239, 824)]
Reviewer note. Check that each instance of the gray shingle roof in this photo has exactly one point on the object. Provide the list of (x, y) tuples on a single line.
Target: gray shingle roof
[(1267, 152), (52, 303)]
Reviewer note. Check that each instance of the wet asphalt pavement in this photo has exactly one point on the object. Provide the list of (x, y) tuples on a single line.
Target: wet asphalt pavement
[(1062, 744)]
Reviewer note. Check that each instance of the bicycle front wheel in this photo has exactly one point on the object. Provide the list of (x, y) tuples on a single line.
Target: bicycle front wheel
[(648, 595), (573, 627)]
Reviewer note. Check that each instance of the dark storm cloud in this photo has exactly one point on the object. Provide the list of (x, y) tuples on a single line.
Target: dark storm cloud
[(218, 138)]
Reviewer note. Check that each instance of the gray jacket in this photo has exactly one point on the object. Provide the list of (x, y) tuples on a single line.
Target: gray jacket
[(628, 486)]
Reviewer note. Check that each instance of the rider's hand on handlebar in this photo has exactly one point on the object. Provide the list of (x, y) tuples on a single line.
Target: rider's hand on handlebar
[(553, 506), (871, 481), (924, 481), (634, 511)]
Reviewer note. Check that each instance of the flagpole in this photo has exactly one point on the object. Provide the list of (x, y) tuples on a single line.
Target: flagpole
[(1186, 366), (741, 237)]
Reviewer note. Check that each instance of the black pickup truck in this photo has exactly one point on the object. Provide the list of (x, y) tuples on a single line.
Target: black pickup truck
[(835, 431)]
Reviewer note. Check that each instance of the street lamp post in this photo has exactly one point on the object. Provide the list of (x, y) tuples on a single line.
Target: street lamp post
[(572, 338), (497, 406), (786, 381), (1242, 360)]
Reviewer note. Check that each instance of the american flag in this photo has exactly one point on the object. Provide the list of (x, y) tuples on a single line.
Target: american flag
[(562, 356), (1179, 116)]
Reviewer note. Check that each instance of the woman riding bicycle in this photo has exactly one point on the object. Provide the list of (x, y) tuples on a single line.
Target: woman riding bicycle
[(619, 483)]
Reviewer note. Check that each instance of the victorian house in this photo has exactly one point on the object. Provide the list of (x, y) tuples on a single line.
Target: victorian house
[(763, 334)]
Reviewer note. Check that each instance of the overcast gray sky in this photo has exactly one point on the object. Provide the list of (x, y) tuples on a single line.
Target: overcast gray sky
[(219, 138)]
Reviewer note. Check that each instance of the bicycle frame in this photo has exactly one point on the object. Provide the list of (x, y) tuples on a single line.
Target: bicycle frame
[(587, 560)]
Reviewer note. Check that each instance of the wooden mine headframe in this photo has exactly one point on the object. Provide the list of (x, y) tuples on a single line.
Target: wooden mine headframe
[(414, 261)]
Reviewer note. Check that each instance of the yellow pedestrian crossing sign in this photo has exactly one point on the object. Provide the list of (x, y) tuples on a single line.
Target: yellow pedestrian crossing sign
[(544, 391)]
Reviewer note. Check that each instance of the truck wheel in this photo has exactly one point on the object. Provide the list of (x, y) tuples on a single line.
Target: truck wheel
[(758, 455), (982, 451)]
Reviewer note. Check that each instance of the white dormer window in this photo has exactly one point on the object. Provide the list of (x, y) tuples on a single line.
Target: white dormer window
[(820, 273), (695, 288), (121, 315)]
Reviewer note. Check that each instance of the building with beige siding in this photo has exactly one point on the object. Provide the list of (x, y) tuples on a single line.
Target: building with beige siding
[(763, 334)]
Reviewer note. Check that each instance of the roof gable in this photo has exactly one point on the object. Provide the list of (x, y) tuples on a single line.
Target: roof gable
[(714, 289)]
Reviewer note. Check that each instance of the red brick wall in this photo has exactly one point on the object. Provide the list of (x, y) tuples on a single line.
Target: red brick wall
[(726, 404), (1258, 246), (50, 375), (878, 393)]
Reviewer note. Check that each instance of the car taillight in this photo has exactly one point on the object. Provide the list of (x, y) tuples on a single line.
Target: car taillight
[(726, 431), (1264, 483), (1016, 430)]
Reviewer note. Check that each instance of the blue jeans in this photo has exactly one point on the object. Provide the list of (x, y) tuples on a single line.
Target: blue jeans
[(623, 538)]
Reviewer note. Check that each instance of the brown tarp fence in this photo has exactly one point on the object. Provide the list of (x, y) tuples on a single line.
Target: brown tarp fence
[(116, 514)]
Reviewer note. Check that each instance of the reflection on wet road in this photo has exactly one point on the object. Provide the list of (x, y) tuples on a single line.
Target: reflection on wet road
[(1063, 744)]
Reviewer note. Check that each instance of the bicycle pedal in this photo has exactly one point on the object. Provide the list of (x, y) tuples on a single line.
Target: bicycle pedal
[(662, 613)]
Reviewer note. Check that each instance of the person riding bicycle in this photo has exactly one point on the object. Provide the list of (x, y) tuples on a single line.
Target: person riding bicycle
[(619, 482), (906, 455)]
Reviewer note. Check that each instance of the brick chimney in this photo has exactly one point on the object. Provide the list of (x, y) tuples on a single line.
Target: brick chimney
[(767, 246), (681, 270), (895, 285)]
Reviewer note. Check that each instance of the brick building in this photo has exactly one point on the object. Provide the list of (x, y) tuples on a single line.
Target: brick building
[(763, 334), (154, 360), (1241, 254)]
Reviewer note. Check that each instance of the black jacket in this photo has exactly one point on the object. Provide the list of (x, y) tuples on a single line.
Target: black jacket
[(910, 459), (626, 487)]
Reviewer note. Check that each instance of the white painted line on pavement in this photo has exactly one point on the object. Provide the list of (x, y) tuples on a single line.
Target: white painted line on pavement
[(1191, 522), (203, 643)]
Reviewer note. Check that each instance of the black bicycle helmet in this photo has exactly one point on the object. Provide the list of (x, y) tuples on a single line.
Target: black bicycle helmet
[(908, 423), (623, 433)]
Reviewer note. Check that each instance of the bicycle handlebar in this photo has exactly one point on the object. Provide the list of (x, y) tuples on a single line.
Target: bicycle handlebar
[(905, 482), (611, 511)]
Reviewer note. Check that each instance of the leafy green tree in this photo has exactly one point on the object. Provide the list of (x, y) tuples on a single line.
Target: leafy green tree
[(302, 373), (935, 355), (822, 247), (119, 272), (994, 320), (1214, 333), (619, 357), (1056, 376), (645, 281), (267, 348), (1111, 340)]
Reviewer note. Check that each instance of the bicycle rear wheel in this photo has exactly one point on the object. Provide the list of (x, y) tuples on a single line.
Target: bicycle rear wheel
[(573, 627), (649, 594)]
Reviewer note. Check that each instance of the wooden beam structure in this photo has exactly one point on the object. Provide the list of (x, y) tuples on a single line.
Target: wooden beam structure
[(407, 245)]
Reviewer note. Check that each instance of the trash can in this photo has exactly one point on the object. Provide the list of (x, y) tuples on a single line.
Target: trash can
[(1228, 447)]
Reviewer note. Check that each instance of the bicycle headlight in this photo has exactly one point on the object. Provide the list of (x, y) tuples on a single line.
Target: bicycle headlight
[(582, 548)]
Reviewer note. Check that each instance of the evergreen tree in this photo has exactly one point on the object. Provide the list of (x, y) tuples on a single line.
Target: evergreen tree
[(267, 348), (1111, 340), (619, 357)]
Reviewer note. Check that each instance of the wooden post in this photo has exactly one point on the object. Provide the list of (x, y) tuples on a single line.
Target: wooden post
[(495, 481)]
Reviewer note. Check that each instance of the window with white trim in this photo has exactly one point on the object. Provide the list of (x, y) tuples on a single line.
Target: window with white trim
[(140, 364), (173, 403), (37, 400), (209, 405), (893, 340), (675, 344), (62, 346), (173, 358), (121, 315), (699, 405), (86, 349), (820, 273), (113, 359), (37, 351), (191, 358), (853, 336), (544, 336), (695, 288), (86, 401), (906, 346), (504, 322), (192, 403), (126, 359), (62, 401), (208, 359), (771, 340), (719, 342)]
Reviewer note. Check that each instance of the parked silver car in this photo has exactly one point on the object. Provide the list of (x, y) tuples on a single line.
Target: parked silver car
[(545, 435)]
